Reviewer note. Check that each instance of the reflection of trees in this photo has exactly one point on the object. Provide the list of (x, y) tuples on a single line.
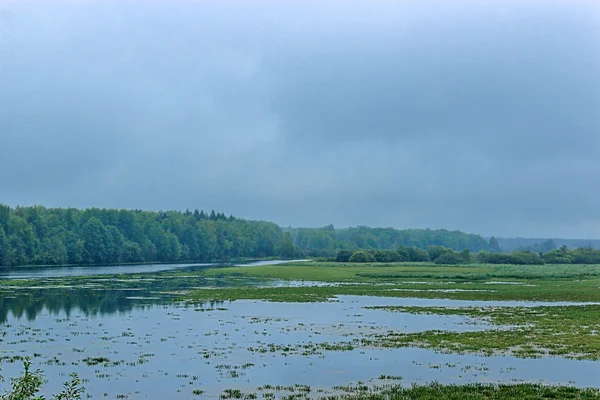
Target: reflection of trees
[(30, 303)]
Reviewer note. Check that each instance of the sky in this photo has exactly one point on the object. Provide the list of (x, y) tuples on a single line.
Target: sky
[(481, 116)]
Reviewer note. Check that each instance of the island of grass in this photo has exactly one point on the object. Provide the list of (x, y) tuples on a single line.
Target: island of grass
[(570, 330)]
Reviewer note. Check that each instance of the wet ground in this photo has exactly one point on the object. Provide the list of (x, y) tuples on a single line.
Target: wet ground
[(140, 343)]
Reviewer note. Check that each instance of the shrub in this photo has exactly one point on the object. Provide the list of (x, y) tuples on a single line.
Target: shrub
[(361, 256), (344, 255)]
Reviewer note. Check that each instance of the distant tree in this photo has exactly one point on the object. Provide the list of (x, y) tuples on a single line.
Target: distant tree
[(131, 252), (435, 251), (285, 248), (344, 255), (53, 251), (403, 253), (493, 244), (361, 256), (450, 257), (76, 253), (4, 214), (394, 256), (4, 248), (556, 256), (382, 256), (466, 256), (417, 255), (96, 240)]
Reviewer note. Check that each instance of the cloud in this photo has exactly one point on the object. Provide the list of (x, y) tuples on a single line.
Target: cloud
[(462, 115)]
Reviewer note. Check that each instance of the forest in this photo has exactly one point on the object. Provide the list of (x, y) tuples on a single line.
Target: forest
[(57, 236), (68, 236)]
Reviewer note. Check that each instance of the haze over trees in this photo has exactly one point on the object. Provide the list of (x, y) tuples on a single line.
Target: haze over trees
[(326, 241)]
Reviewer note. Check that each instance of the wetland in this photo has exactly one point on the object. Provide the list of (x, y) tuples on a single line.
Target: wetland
[(308, 330)]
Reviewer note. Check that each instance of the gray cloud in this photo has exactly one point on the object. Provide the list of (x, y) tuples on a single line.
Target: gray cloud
[(480, 117)]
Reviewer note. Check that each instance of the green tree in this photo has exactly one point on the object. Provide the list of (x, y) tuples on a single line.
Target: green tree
[(96, 240), (450, 258), (4, 214), (344, 255), (466, 256), (76, 253), (361, 256), (131, 252), (556, 256), (493, 244), (435, 251), (285, 248), (53, 251), (417, 255), (4, 249)]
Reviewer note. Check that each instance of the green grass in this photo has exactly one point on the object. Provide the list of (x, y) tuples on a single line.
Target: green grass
[(530, 283), (570, 332), (436, 391), (432, 391), (345, 272)]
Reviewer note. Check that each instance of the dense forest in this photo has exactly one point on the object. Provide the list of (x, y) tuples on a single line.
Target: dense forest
[(54, 236), (58, 236)]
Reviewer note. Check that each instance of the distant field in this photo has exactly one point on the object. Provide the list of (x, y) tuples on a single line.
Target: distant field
[(472, 282)]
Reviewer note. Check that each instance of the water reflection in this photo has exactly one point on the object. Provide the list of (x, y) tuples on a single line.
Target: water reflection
[(90, 302), (103, 296)]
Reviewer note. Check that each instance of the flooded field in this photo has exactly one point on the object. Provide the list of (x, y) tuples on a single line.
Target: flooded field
[(145, 342)]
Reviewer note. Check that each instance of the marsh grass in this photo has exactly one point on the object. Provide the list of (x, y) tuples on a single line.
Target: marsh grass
[(518, 282), (526, 332)]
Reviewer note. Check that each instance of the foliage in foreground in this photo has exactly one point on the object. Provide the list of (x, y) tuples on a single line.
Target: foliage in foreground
[(28, 385)]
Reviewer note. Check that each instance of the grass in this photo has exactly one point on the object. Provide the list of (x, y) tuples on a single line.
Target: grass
[(343, 272), (432, 391), (436, 391), (570, 332), (525, 283)]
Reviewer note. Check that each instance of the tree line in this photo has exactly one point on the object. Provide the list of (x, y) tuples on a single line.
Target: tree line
[(57, 236), (443, 255), (326, 241)]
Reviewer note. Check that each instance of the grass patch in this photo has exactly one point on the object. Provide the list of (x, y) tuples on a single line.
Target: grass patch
[(485, 282), (570, 332), (473, 392)]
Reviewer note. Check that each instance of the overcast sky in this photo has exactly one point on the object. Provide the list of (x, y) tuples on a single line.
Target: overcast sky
[(482, 116)]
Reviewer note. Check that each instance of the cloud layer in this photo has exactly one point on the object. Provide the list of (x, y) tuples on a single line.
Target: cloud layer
[(461, 115)]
